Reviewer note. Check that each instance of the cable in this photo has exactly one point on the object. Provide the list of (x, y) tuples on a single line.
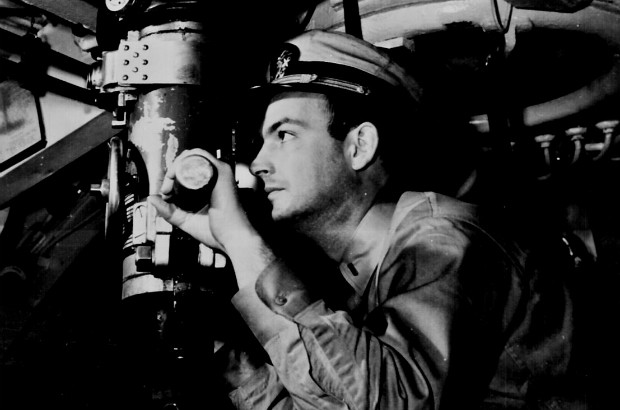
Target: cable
[(352, 19), (498, 16), (308, 16)]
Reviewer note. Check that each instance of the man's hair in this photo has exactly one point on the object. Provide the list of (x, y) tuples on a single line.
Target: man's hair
[(395, 121), (412, 140), (398, 123), (421, 148)]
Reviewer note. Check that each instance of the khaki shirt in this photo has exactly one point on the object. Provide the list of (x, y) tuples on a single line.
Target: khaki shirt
[(440, 313)]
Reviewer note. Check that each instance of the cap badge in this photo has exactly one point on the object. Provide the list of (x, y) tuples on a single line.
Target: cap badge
[(289, 55), (282, 63)]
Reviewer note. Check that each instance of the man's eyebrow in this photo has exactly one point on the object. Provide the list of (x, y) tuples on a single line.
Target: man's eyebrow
[(285, 120)]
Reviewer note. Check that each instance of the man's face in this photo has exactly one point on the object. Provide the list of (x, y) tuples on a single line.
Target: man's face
[(303, 167)]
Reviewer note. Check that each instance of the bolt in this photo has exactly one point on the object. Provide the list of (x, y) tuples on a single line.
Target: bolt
[(607, 126), (544, 140), (575, 131), (144, 258)]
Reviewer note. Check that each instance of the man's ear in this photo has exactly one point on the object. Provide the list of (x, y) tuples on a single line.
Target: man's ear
[(361, 145)]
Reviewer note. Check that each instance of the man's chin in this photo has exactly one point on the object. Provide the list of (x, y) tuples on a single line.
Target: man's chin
[(279, 210), (282, 215), (278, 216)]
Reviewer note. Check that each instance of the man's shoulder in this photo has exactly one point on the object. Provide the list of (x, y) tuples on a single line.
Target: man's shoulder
[(429, 217), (427, 214), (421, 205)]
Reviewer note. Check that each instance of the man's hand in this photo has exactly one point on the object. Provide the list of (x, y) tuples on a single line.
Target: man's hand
[(222, 224), (217, 225)]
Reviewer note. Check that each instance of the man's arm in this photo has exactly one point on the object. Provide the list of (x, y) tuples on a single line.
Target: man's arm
[(400, 358), (320, 356), (252, 384)]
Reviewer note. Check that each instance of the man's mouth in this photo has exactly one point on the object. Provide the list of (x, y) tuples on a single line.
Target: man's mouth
[(271, 191)]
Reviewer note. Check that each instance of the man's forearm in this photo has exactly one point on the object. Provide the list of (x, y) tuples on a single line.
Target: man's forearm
[(250, 255)]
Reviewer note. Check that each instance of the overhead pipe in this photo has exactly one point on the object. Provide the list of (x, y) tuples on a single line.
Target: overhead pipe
[(385, 20)]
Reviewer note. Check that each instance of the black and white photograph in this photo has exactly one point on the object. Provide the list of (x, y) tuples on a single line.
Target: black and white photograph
[(309, 205)]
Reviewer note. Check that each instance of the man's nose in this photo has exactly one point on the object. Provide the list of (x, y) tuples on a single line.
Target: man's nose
[(261, 165)]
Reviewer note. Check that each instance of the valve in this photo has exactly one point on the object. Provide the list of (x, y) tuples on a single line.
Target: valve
[(575, 135), (545, 141), (607, 128), (110, 187)]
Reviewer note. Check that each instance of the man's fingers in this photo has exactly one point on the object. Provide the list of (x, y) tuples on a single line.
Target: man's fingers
[(171, 213), (197, 225), (164, 209), (167, 185)]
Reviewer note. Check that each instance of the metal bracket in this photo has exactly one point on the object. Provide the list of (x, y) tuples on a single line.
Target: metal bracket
[(148, 62)]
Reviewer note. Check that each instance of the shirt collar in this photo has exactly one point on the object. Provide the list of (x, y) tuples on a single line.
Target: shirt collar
[(363, 253)]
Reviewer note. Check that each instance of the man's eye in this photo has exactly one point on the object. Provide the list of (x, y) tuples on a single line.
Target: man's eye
[(285, 135)]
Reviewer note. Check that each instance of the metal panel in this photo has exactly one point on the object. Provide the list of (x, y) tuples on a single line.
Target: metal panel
[(44, 164), (73, 11)]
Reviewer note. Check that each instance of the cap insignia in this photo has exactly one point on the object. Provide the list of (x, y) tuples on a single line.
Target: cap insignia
[(289, 55), (282, 63)]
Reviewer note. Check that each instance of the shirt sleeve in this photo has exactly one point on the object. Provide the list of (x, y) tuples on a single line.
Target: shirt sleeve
[(399, 360), (263, 391)]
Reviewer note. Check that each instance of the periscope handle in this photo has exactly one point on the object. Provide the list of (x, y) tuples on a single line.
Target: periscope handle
[(194, 179)]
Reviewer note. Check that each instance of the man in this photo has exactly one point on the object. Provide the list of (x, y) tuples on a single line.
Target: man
[(436, 311)]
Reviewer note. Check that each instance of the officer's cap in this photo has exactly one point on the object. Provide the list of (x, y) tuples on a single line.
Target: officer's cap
[(327, 59)]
